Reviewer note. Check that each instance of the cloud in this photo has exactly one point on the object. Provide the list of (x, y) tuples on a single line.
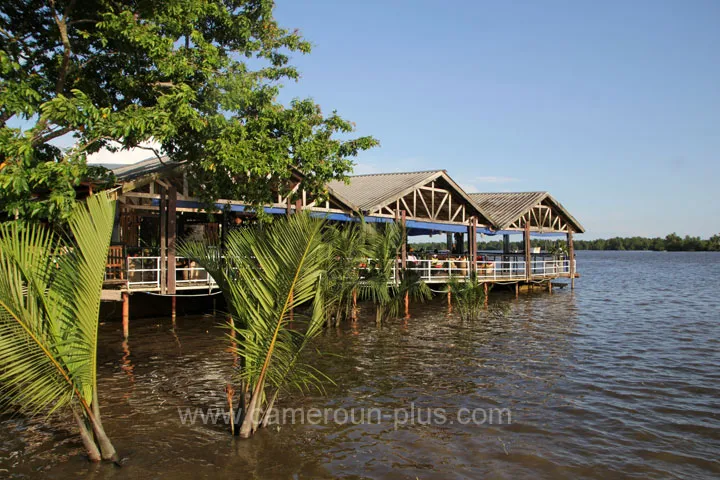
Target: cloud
[(123, 157), (493, 179), (365, 169), (384, 165), (469, 188)]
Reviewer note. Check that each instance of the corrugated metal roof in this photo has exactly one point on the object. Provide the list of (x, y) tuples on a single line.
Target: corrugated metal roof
[(506, 207), (367, 191), (146, 167)]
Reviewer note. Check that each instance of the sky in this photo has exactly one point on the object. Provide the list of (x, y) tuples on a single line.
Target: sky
[(612, 107)]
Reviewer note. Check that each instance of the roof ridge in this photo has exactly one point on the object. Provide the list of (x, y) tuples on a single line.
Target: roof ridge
[(394, 173), (509, 193)]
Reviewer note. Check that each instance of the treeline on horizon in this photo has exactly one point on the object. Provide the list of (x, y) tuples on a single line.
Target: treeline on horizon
[(671, 243)]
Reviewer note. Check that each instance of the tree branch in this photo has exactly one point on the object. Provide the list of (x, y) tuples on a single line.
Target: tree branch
[(38, 139)]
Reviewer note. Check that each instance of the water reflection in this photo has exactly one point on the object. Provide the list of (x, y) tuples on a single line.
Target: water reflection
[(612, 380)]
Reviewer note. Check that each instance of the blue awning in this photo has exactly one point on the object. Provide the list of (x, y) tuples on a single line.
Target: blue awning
[(415, 227)]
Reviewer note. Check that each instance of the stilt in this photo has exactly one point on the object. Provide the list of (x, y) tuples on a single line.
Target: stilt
[(449, 300), (550, 287), (214, 307), (485, 289), (517, 290), (126, 314), (407, 305), (173, 311), (571, 254), (353, 313)]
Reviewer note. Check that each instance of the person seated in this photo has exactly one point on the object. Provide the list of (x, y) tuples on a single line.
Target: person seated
[(411, 259)]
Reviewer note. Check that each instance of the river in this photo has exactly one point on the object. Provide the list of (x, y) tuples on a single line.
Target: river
[(618, 379)]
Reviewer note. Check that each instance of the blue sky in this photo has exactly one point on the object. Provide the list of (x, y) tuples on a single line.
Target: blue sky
[(613, 107)]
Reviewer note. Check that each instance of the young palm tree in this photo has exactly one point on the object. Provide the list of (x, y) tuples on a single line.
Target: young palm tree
[(350, 245), (265, 275), (49, 308), (469, 297), (386, 285)]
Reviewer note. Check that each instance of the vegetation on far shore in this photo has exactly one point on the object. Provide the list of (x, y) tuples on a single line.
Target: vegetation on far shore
[(671, 243)]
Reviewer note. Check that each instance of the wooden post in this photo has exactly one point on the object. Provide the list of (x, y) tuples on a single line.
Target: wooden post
[(449, 241), (173, 314), (403, 257), (126, 314), (449, 300), (472, 267), (353, 313), (163, 241), (298, 205), (506, 243), (517, 289), (550, 286), (528, 260), (485, 289), (571, 254), (172, 239)]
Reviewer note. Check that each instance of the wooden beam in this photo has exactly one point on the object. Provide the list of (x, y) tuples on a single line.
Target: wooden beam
[(126, 314), (571, 254), (172, 238), (528, 260), (163, 241)]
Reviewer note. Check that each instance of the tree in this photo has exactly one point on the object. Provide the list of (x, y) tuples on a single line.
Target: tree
[(351, 247), (268, 273), (49, 308), (200, 78), (381, 283)]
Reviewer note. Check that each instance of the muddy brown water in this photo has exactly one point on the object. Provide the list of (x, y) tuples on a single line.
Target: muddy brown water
[(620, 378)]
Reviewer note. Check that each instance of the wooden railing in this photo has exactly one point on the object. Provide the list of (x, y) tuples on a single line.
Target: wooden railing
[(144, 273)]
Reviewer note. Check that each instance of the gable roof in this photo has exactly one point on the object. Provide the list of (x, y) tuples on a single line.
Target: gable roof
[(370, 192), (507, 207), (151, 165)]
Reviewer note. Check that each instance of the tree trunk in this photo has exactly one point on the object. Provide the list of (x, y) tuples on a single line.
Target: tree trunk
[(251, 417), (87, 438), (106, 447)]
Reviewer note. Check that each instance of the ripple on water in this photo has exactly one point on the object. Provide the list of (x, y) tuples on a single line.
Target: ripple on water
[(617, 379)]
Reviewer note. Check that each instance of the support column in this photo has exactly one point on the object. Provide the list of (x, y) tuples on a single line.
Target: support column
[(172, 239), (126, 314), (353, 313), (163, 241), (528, 260), (517, 290), (173, 313), (506, 243), (298, 205), (459, 243), (473, 245), (571, 254), (403, 257), (449, 241)]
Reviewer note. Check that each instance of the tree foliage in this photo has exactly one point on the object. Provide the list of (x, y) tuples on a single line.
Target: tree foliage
[(671, 243), (266, 275), (199, 77)]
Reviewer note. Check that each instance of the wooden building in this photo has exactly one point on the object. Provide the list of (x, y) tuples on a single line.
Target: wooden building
[(156, 208)]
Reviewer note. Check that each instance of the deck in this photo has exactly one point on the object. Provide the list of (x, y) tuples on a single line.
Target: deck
[(143, 274)]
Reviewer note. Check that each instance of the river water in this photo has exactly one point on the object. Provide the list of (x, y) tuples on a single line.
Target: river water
[(618, 379)]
